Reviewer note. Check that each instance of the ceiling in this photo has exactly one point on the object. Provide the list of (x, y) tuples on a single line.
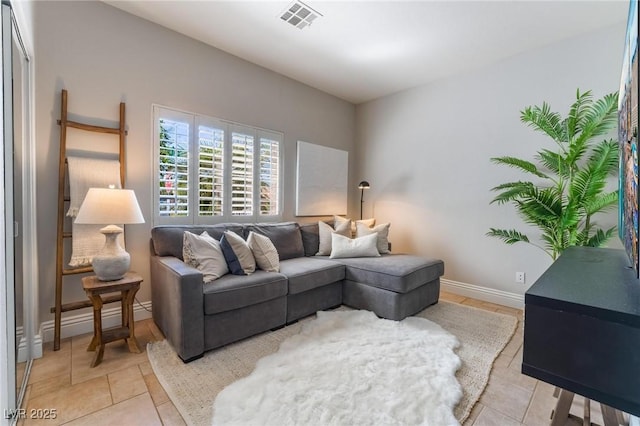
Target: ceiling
[(362, 50)]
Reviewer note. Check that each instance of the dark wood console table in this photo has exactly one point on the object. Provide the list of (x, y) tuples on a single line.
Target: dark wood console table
[(582, 327)]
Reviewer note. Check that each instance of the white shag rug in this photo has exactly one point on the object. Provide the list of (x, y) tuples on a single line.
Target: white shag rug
[(350, 368), (193, 387)]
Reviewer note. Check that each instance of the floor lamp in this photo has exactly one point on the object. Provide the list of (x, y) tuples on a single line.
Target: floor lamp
[(362, 186)]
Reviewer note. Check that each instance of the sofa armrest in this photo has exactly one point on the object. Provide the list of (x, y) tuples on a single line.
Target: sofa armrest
[(178, 305)]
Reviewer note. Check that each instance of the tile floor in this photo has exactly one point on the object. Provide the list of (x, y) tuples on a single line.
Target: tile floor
[(123, 390)]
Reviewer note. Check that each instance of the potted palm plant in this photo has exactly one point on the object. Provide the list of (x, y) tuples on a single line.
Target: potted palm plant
[(571, 181)]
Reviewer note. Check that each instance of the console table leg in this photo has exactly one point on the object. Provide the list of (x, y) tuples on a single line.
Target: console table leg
[(130, 321), (560, 415), (96, 341)]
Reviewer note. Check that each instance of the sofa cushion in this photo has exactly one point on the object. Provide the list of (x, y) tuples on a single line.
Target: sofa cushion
[(237, 291), (306, 273), (167, 239), (285, 237), (396, 272)]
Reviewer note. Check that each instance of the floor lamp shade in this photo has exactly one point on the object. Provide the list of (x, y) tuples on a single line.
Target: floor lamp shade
[(104, 206)]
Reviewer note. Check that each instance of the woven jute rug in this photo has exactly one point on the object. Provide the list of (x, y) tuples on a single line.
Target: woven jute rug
[(193, 387)]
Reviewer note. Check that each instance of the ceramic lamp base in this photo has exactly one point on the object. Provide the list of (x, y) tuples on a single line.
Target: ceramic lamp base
[(113, 261)]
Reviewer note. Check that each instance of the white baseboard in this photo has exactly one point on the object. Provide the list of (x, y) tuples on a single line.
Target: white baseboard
[(83, 323), (486, 294), (23, 346)]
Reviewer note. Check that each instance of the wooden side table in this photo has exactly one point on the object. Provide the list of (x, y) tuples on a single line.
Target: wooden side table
[(128, 286)]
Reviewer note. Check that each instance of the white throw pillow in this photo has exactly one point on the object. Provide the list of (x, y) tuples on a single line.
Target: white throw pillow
[(324, 234), (237, 253), (203, 252), (264, 251), (339, 220), (367, 222), (383, 235), (358, 247)]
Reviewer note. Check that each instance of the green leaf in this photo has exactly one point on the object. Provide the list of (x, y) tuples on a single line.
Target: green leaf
[(575, 120), (508, 236), (543, 120), (598, 119), (554, 162), (602, 203), (600, 237), (543, 205), (511, 191), (525, 166)]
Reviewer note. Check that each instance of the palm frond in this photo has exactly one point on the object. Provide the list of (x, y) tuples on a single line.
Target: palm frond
[(591, 180), (585, 186), (602, 203), (571, 216), (543, 120), (604, 156), (525, 166), (553, 161), (575, 118), (511, 191), (508, 236), (542, 206), (598, 119), (600, 237)]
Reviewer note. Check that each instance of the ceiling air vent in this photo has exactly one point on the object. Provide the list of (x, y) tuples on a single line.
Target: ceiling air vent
[(299, 15)]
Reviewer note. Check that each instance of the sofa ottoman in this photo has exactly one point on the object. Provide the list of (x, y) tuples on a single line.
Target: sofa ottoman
[(393, 286)]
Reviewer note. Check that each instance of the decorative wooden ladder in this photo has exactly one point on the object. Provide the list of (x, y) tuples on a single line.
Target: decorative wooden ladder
[(64, 198)]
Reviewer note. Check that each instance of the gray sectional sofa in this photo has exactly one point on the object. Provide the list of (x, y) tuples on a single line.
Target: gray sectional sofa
[(196, 317)]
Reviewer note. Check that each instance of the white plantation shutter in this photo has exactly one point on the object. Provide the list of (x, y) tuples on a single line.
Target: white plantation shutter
[(242, 159), (173, 168), (210, 170), (269, 175)]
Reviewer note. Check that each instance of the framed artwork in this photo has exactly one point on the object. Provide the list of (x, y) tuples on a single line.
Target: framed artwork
[(321, 180), (628, 197)]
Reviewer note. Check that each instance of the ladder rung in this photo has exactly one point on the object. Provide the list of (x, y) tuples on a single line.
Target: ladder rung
[(66, 235), (72, 306), (75, 271), (91, 128)]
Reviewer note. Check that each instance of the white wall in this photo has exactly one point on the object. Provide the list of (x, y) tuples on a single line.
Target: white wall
[(102, 55), (426, 154)]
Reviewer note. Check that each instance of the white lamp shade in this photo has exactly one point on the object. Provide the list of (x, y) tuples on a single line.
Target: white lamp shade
[(102, 206)]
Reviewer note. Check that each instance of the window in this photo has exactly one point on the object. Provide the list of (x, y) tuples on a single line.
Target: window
[(210, 170)]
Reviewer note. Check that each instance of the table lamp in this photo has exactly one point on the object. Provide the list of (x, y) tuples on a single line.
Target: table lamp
[(362, 186), (102, 206)]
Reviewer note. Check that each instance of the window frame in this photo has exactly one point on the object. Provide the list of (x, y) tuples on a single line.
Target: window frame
[(228, 127)]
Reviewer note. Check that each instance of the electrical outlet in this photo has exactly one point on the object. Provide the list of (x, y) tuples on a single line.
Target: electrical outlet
[(520, 277)]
